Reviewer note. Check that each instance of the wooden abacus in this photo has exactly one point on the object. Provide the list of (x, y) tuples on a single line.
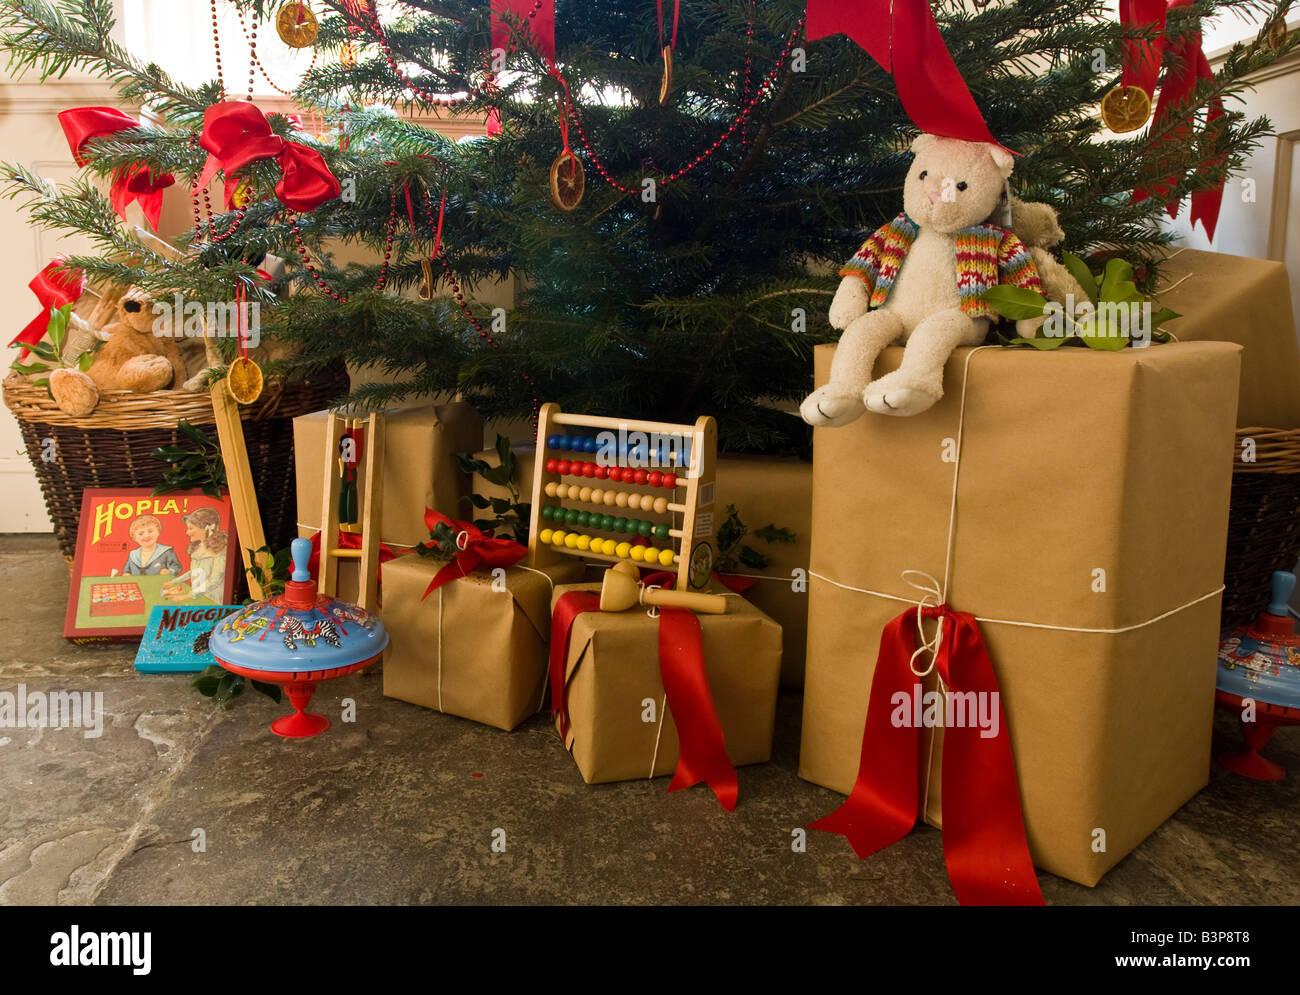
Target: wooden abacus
[(338, 478), (585, 482)]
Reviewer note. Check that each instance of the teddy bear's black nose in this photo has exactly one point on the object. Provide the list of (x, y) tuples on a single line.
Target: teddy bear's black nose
[(131, 306)]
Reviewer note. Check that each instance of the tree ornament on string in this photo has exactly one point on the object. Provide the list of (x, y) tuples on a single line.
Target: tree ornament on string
[(297, 25), (243, 376), (666, 86), (568, 181), (1128, 107), (1125, 109), (1275, 37)]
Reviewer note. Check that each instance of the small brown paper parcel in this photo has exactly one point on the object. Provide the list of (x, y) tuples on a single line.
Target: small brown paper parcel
[(477, 646), (612, 680), (1089, 538)]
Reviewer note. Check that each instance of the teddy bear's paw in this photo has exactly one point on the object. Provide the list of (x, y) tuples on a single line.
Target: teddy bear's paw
[(901, 394), (830, 406)]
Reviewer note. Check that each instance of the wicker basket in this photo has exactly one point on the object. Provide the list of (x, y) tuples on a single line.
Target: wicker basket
[(1264, 521), (111, 447)]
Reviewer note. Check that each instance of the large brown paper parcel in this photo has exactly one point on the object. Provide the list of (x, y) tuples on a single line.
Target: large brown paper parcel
[(474, 647), (1247, 301), (765, 491), (613, 670), (1093, 494)]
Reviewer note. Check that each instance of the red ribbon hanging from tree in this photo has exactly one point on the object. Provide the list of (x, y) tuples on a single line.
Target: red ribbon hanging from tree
[(54, 286), (903, 37), (237, 134), (702, 748), (475, 548), (130, 183), (984, 844), (1187, 64), (536, 16)]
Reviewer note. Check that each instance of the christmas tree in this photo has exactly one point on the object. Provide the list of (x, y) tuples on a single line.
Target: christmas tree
[(694, 274)]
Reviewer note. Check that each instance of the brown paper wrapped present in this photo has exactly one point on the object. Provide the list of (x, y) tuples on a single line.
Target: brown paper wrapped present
[(1089, 534), (420, 469), (773, 491), (475, 647), (1247, 301), (612, 677), (765, 491)]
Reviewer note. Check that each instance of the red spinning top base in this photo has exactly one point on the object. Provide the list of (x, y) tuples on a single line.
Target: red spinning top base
[(300, 724), (1249, 763)]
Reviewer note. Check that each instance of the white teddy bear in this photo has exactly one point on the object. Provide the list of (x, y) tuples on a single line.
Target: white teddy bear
[(918, 280)]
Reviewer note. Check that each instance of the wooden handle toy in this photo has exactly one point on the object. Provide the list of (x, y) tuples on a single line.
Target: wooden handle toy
[(622, 590)]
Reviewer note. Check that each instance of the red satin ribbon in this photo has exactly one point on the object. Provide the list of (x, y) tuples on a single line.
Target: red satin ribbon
[(350, 540), (542, 24), (237, 133), (930, 86), (54, 286), (480, 550), (735, 583), (1187, 65), (702, 749), (984, 844), (130, 183)]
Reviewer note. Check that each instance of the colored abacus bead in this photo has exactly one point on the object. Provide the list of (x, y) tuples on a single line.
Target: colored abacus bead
[(610, 499), (551, 486), (552, 466), (588, 469), (620, 499), (584, 494), (634, 501), (661, 532), (584, 519), (557, 537), (666, 557), (602, 472), (620, 524), (589, 444), (562, 467), (637, 553), (639, 476), (607, 523), (545, 536), (547, 512), (670, 480), (584, 543), (654, 478), (645, 528), (561, 442), (661, 505), (552, 442), (571, 540), (622, 549)]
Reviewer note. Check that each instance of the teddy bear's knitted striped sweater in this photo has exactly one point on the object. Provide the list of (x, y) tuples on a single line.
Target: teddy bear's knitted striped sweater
[(986, 256)]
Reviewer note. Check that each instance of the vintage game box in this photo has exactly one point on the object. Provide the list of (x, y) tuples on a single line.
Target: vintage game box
[(136, 550), (176, 639)]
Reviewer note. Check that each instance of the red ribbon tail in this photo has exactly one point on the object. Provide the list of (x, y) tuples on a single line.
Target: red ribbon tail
[(702, 753), (881, 809), (735, 582), (984, 844), (567, 608)]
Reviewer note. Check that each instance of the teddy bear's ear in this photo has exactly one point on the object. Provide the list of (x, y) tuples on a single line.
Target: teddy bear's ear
[(1003, 159), (922, 142)]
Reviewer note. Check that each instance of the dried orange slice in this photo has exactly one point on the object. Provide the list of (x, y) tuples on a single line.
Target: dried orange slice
[(296, 24), (667, 85), (1125, 108), (244, 380), (567, 181)]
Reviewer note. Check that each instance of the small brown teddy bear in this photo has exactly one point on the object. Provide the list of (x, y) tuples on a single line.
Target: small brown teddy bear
[(132, 358)]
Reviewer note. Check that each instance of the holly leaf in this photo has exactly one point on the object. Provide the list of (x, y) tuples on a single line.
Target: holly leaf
[(207, 680), (506, 455), (86, 360), (771, 533), (272, 691), (499, 475), (1158, 318), (57, 328), (479, 501), (1079, 270), (751, 557), (27, 368), (1043, 344), (469, 464), (1117, 282), (45, 351), (501, 505), (1015, 303)]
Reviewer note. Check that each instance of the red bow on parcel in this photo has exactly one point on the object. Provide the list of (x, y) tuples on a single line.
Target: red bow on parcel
[(237, 133), (903, 37), (475, 549), (130, 183), (54, 287), (702, 750), (1187, 64), (984, 844)]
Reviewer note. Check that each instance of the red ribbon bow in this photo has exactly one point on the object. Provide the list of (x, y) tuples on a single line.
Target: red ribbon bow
[(929, 84), (984, 844), (237, 133), (130, 183), (54, 286), (1188, 64), (476, 549), (702, 748)]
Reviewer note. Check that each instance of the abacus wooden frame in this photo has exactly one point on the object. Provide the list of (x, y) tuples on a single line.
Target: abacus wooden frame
[(698, 519)]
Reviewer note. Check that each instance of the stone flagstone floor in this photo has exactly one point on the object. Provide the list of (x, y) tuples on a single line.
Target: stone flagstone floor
[(400, 806)]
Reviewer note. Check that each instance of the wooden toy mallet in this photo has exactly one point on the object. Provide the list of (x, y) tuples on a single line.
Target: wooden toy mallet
[(622, 590)]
